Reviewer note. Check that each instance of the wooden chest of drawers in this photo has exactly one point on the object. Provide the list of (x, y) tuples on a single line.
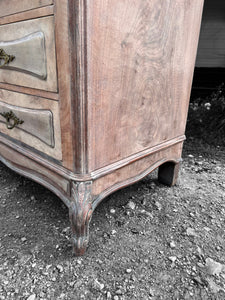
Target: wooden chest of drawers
[(94, 94)]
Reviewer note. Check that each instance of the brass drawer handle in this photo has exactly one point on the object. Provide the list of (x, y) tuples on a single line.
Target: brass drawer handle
[(11, 116), (6, 57)]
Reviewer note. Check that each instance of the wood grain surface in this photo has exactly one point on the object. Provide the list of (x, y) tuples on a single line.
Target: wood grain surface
[(66, 70), (140, 58), (79, 75), (21, 30), (30, 14), (9, 7), (30, 91), (23, 101)]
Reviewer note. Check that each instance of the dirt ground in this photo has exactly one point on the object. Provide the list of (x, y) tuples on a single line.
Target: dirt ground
[(147, 241)]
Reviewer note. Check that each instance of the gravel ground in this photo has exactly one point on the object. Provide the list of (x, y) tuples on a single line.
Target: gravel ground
[(147, 241)]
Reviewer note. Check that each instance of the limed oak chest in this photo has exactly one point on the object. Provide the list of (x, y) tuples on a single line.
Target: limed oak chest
[(94, 94)]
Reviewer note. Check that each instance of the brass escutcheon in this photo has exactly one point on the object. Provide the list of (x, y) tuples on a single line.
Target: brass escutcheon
[(11, 116), (6, 57)]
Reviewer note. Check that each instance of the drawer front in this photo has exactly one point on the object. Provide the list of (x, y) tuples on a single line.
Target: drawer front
[(31, 120), (30, 47), (8, 7)]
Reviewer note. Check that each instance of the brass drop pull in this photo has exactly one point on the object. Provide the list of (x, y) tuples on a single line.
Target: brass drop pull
[(11, 119), (6, 57)]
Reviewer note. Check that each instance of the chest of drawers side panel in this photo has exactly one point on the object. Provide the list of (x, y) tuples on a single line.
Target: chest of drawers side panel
[(140, 62)]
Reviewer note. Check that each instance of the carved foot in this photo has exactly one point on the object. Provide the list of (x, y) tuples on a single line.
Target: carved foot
[(168, 173), (80, 212)]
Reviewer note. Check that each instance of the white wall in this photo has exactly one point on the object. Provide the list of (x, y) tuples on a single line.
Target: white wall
[(211, 51)]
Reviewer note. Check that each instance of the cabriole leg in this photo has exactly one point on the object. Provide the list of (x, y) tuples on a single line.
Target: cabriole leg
[(168, 173), (80, 212)]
